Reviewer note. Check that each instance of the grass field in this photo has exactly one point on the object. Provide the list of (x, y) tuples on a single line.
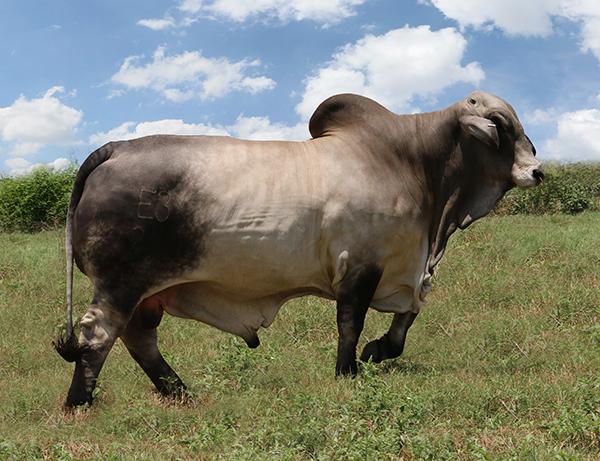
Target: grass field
[(503, 363)]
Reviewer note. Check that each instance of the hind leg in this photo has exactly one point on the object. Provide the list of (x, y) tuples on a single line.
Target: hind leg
[(140, 338), (100, 327)]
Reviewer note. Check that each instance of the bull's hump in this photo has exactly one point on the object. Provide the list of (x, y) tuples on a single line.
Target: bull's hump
[(343, 111)]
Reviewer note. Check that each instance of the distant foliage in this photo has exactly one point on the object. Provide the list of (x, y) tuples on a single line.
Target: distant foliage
[(567, 189), (36, 201)]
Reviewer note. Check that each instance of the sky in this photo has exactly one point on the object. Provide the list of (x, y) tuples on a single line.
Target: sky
[(77, 74)]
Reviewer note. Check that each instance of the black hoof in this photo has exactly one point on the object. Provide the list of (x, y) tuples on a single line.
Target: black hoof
[(172, 387), (372, 352), (347, 369), (73, 402), (379, 350)]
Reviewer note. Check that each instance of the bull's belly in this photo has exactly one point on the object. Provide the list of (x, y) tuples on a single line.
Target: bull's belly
[(229, 311), (245, 276), (251, 267), (243, 312), (240, 294)]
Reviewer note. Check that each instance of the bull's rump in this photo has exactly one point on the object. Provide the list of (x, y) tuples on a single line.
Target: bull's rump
[(151, 217)]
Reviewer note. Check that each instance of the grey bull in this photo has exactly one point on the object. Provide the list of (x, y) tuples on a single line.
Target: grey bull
[(225, 231)]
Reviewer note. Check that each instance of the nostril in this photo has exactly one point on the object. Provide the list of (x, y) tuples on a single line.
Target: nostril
[(538, 175)]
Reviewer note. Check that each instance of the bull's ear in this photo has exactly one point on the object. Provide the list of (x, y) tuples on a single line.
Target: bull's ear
[(482, 128)]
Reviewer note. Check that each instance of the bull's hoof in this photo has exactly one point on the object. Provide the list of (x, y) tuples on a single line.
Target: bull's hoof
[(346, 369), (172, 387), (379, 350), (372, 352), (74, 402)]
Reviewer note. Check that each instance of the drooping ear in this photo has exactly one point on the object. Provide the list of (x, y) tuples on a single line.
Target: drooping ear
[(482, 128)]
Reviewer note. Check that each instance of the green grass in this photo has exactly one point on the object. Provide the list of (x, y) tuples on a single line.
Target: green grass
[(503, 363)]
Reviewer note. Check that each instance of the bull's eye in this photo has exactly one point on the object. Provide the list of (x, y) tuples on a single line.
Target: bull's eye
[(472, 101)]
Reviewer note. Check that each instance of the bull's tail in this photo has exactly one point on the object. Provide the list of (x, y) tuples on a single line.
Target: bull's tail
[(66, 344)]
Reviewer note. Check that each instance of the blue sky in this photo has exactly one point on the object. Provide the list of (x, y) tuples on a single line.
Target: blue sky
[(77, 74)]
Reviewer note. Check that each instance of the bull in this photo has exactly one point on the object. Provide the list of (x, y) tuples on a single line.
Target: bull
[(225, 231)]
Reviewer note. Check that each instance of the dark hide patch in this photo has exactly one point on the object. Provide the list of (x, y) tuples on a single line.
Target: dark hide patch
[(150, 311), (359, 285), (132, 232), (150, 314)]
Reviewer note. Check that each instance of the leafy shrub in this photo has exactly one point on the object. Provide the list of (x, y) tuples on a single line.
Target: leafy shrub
[(578, 423), (570, 189), (35, 201)]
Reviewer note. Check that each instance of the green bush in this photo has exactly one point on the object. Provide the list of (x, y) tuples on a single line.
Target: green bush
[(35, 201), (567, 189)]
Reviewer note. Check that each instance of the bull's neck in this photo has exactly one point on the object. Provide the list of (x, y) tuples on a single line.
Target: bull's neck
[(428, 141), (432, 135), (456, 193)]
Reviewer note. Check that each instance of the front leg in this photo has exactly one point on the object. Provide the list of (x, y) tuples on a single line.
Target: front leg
[(391, 344), (353, 298)]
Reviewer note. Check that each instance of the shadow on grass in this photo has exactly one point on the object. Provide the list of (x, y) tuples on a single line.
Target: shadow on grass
[(405, 366)]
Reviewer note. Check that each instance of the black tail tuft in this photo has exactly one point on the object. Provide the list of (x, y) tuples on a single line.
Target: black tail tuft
[(68, 347)]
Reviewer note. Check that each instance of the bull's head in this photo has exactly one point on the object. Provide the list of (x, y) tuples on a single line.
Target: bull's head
[(494, 138)]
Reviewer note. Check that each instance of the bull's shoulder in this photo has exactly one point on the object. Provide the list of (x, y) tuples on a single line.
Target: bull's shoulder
[(343, 111)]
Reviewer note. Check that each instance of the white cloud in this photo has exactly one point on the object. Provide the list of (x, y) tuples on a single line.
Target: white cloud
[(326, 12), (393, 68), (515, 17), (19, 166), (188, 75), (157, 24), (244, 127), (526, 18), (30, 124), (577, 137), (130, 130), (323, 12), (541, 116), (261, 128), (26, 148), (590, 35), (190, 6)]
